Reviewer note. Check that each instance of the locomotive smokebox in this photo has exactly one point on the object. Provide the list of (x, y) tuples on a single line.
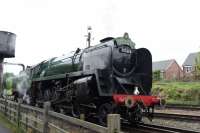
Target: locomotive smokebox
[(7, 44)]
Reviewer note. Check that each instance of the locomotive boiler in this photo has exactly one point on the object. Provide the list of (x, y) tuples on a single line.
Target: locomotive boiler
[(111, 77)]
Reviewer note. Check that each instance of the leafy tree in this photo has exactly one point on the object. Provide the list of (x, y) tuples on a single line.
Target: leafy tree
[(197, 66), (6, 76), (156, 75)]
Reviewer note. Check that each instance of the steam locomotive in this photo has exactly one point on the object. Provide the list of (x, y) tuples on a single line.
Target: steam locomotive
[(111, 77)]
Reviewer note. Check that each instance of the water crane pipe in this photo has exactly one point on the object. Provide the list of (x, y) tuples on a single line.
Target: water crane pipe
[(19, 64), (7, 50)]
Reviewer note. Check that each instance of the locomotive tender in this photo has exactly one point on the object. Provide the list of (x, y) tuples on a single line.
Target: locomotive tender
[(111, 77)]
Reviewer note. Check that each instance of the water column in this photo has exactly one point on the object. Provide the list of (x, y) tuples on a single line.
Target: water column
[(7, 50)]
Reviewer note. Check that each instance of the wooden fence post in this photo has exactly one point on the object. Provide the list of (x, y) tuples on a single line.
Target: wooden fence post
[(10, 112), (35, 122), (5, 104), (18, 112), (46, 110), (113, 123), (82, 116)]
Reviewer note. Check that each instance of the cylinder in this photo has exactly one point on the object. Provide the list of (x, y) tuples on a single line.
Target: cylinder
[(7, 44)]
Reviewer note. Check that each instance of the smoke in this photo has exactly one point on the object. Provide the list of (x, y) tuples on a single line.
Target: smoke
[(23, 85), (109, 18)]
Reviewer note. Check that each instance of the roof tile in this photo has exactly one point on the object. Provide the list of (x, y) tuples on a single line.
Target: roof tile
[(162, 65), (190, 60)]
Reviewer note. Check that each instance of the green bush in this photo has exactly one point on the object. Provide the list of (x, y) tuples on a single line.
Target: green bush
[(156, 75), (181, 92)]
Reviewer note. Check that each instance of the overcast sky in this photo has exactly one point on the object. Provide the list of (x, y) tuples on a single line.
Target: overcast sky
[(170, 29)]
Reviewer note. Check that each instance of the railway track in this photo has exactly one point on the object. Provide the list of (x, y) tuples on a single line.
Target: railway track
[(193, 118), (183, 107), (150, 128)]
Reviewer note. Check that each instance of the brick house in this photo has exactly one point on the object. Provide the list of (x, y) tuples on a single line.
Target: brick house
[(169, 69), (189, 64)]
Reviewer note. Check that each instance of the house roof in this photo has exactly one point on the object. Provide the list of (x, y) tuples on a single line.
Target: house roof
[(162, 65), (190, 60)]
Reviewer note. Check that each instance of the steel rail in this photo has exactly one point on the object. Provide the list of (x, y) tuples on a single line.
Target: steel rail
[(193, 118), (151, 128), (183, 107)]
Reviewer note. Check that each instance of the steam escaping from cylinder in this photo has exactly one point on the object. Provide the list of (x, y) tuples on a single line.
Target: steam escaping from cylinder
[(23, 84)]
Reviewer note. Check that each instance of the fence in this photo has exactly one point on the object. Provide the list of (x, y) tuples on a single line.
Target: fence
[(36, 120)]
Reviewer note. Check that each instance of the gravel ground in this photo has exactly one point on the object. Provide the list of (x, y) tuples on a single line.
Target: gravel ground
[(3, 129), (177, 124)]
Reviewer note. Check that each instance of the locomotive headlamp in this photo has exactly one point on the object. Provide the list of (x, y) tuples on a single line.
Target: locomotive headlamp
[(129, 102)]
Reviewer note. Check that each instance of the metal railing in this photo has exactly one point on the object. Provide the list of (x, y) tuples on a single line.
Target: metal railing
[(37, 120)]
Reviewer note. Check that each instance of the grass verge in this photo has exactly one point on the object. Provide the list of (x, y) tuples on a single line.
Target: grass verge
[(7, 124), (178, 92)]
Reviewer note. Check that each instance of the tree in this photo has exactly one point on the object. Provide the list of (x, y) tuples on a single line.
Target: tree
[(156, 75), (197, 66), (6, 76)]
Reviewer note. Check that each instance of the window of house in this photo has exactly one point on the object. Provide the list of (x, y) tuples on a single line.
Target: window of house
[(188, 69)]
